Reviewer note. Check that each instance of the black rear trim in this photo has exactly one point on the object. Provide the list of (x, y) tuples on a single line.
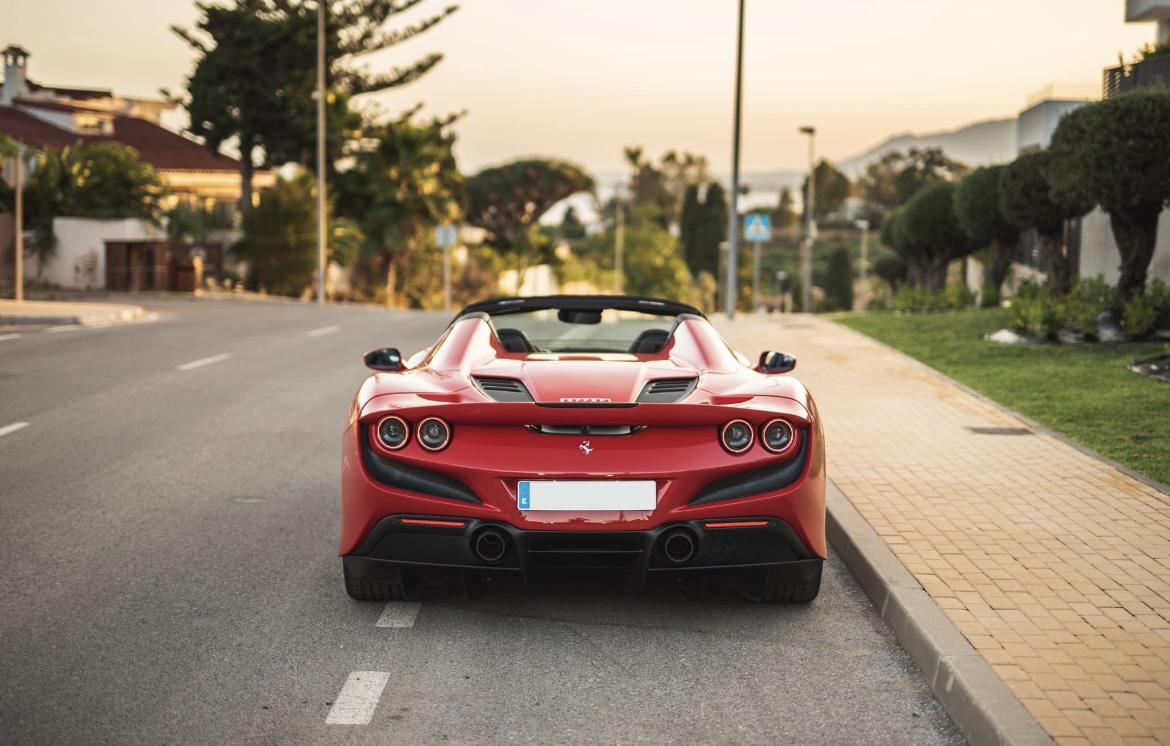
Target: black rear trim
[(655, 306), (413, 478), (667, 390), (757, 481), (639, 555), (503, 389)]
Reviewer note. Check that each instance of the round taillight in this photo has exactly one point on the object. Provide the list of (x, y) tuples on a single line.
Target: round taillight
[(778, 436), (434, 434), (736, 436), (393, 432)]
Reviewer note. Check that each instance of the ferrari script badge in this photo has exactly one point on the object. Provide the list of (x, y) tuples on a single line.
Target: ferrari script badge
[(585, 447)]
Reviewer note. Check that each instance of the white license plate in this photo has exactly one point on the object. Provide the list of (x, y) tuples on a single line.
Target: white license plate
[(591, 494)]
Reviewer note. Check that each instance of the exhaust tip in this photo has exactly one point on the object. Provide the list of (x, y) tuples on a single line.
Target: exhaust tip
[(489, 544), (678, 546)]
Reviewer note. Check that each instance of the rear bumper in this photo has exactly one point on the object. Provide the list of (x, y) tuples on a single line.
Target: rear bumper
[(414, 546), (696, 481)]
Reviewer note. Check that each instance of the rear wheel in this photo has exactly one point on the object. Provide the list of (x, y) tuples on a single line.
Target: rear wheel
[(779, 587), (388, 588)]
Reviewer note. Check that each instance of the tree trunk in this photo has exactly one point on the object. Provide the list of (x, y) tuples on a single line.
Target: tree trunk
[(1059, 271), (391, 267), (915, 274), (246, 171), (1005, 249), (1136, 232)]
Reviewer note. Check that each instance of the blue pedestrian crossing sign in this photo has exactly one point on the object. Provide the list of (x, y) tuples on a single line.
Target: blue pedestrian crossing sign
[(757, 227)]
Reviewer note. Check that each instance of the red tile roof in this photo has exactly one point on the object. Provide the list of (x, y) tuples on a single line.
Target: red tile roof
[(166, 150), (159, 147), (32, 131)]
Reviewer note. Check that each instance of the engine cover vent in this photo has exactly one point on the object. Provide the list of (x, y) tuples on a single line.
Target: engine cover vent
[(503, 389), (667, 390)]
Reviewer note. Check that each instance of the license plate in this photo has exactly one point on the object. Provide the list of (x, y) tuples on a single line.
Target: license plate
[(587, 495)]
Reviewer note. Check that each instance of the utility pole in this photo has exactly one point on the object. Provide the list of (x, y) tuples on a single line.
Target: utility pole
[(864, 226), (756, 275), (619, 242), (733, 222), (810, 212), (18, 221), (322, 228)]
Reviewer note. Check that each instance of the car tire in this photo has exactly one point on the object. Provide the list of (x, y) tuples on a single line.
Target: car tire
[(787, 590), (366, 589)]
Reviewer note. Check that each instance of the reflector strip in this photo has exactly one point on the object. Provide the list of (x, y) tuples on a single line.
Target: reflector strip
[(736, 524), (427, 522)]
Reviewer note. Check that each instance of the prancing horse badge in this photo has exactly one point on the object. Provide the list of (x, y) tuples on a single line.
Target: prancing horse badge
[(585, 447)]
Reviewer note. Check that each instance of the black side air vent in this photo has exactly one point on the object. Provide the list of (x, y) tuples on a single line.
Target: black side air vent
[(667, 390), (503, 389)]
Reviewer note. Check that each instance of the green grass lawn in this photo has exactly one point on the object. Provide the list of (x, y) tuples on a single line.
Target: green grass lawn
[(1083, 392)]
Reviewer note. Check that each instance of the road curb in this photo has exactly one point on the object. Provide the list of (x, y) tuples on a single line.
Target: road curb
[(985, 710), (119, 315)]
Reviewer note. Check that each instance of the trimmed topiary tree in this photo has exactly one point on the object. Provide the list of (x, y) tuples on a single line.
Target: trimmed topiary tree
[(1027, 202), (930, 231), (977, 206), (839, 281), (1116, 153)]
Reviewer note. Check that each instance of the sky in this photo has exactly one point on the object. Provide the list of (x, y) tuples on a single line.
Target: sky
[(582, 79)]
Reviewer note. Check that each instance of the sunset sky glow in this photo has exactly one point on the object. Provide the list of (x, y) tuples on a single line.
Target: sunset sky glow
[(581, 79)]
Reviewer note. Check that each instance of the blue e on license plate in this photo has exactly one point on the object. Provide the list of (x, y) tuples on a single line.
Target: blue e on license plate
[(587, 494)]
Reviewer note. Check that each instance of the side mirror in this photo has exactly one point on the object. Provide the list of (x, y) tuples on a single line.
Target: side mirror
[(387, 360), (775, 362)]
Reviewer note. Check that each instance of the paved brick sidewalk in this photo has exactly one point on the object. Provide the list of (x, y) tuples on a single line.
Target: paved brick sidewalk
[(1055, 565)]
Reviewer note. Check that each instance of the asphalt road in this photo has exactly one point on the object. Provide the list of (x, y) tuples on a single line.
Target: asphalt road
[(168, 574)]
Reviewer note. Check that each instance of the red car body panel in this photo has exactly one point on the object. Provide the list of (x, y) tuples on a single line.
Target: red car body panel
[(493, 444)]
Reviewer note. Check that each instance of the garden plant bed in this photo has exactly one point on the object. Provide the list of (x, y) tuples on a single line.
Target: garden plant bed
[(1084, 392)]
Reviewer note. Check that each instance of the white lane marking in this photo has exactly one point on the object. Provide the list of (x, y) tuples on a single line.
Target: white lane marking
[(204, 361), (358, 699), (66, 328), (4, 337), (323, 331), (399, 614), (22, 425)]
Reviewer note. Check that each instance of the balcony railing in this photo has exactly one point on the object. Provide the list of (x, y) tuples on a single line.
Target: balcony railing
[(1154, 71)]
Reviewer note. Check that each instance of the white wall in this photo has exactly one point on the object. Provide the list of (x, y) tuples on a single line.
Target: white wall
[(539, 279), (1099, 253), (1035, 125), (76, 236)]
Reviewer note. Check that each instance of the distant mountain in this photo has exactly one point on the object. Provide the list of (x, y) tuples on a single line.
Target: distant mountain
[(976, 145)]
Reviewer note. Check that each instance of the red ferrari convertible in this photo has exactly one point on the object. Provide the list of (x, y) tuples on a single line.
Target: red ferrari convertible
[(587, 433)]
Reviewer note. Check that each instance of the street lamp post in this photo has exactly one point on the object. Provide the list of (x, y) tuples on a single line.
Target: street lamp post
[(733, 218), (321, 220), (810, 210), (864, 226)]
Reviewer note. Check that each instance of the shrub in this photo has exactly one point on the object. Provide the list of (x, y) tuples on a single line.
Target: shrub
[(956, 295), (1027, 305), (1053, 313), (1087, 300), (1160, 296), (910, 300), (989, 295), (1138, 315)]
